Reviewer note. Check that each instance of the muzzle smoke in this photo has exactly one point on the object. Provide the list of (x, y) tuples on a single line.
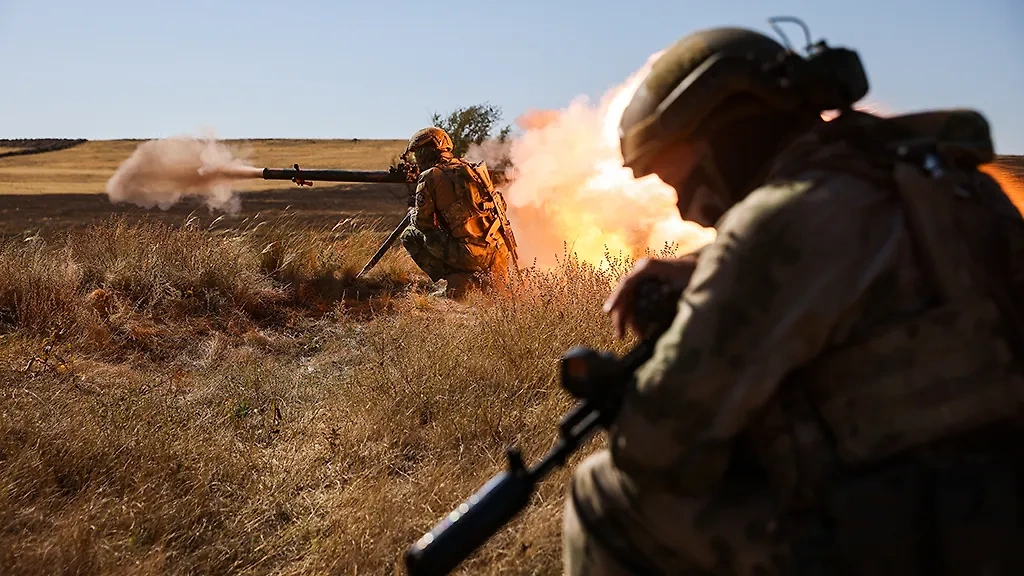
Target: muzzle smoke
[(162, 172)]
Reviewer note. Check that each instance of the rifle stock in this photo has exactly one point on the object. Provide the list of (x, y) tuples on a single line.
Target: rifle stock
[(600, 379)]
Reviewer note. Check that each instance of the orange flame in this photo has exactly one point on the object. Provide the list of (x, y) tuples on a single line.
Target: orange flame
[(570, 189), (1011, 185)]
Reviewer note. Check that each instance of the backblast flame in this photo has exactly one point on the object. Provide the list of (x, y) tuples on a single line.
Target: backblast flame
[(1011, 185), (569, 190)]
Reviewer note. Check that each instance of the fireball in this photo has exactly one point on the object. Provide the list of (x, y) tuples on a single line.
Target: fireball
[(570, 192), (1013, 187)]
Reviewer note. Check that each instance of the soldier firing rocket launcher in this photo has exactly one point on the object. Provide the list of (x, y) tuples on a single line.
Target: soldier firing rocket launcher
[(401, 173)]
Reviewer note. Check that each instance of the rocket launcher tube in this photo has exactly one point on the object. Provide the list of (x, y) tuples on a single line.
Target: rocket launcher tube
[(401, 174)]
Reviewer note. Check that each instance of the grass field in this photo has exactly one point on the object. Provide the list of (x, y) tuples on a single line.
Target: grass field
[(186, 399), (178, 397), (85, 168), (56, 191)]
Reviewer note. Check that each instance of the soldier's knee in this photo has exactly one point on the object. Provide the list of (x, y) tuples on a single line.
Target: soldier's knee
[(582, 553), (412, 239), (574, 540), (592, 541)]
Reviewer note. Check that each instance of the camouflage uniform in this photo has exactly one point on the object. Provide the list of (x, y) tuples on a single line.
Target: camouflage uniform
[(457, 232), (816, 394)]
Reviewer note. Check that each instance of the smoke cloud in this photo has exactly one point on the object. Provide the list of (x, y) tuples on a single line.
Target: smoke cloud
[(570, 192), (162, 172)]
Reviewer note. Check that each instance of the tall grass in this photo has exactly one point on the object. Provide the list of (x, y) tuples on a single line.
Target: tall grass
[(178, 401)]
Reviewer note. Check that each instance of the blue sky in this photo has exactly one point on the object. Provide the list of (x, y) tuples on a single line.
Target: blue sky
[(377, 69)]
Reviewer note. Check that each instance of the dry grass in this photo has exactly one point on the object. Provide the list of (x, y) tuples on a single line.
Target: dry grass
[(185, 399), (86, 168), (178, 401)]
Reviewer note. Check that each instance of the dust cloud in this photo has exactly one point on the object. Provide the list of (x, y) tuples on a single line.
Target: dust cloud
[(162, 172)]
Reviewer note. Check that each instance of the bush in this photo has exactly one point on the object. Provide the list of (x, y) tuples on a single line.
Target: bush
[(471, 125)]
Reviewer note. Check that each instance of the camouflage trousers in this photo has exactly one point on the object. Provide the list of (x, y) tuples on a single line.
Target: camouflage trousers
[(612, 529), (460, 263)]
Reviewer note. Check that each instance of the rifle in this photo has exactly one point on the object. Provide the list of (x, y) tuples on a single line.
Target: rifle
[(599, 380)]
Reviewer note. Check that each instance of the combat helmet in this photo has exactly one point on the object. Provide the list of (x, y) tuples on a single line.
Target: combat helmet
[(724, 98), (431, 136)]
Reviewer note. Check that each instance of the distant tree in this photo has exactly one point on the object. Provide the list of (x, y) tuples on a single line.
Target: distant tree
[(471, 125)]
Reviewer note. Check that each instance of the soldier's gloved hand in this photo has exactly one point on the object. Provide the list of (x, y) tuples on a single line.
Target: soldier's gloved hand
[(620, 302), (412, 201)]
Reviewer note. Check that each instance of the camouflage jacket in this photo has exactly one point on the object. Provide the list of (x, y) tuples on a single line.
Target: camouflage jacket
[(816, 277), (449, 198)]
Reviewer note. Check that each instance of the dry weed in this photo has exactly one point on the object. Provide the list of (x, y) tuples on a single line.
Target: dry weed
[(239, 403)]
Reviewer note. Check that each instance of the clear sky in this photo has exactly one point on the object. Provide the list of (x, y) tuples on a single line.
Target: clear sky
[(103, 69)]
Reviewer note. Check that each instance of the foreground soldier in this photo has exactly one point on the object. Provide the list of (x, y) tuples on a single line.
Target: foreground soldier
[(459, 231), (840, 392)]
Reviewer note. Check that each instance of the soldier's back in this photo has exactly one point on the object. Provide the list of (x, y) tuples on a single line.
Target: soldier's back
[(910, 418)]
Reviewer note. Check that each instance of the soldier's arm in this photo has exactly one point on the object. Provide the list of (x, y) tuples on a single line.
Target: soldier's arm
[(763, 299), (424, 207)]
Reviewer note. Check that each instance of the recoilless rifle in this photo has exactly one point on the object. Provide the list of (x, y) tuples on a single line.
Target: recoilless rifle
[(599, 381), (401, 173)]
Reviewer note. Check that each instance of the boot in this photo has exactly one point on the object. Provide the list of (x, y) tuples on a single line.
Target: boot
[(438, 288), (459, 284)]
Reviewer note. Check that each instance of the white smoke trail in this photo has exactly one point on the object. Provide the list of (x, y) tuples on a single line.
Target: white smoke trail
[(162, 172)]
